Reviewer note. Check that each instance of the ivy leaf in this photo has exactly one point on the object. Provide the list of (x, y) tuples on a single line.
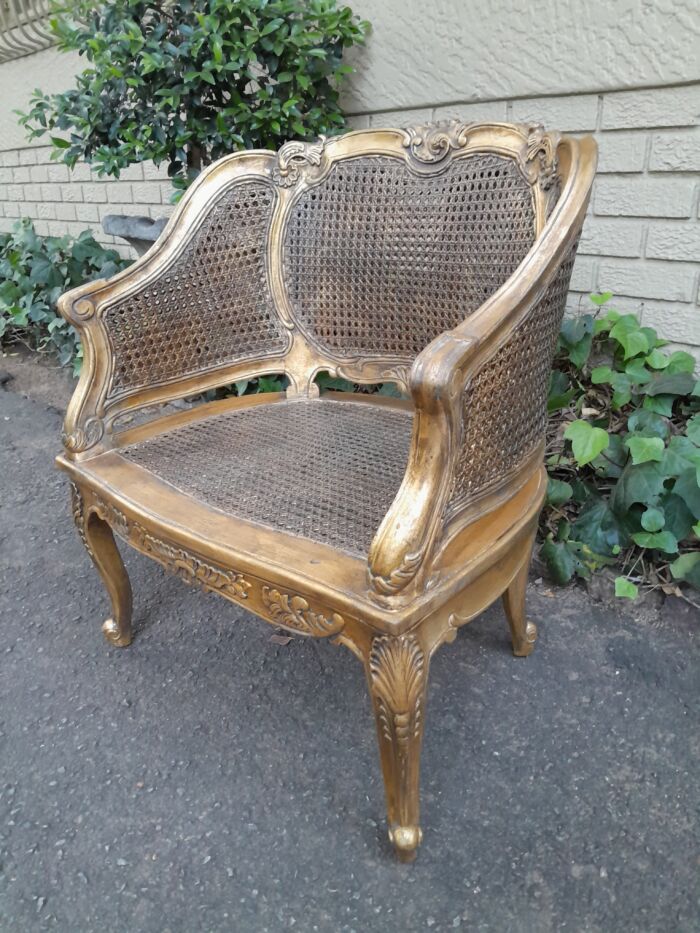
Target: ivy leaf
[(560, 391), (630, 336), (653, 519), (624, 588), (601, 299), (657, 360), (586, 441), (597, 526), (659, 541), (679, 518), (560, 562), (558, 492), (576, 336), (613, 459), (680, 455), (673, 384), (644, 449), (681, 362), (661, 404), (693, 429), (687, 488), (641, 483), (648, 423), (687, 567)]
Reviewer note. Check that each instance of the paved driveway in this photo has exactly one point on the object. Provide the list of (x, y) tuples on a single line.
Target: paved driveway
[(209, 779)]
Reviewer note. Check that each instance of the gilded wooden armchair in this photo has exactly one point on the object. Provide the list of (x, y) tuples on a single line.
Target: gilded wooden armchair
[(437, 258)]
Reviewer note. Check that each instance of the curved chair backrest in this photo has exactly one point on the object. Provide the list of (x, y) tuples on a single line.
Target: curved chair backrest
[(348, 255)]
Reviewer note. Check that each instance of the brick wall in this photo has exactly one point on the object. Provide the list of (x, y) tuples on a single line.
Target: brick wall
[(60, 201)]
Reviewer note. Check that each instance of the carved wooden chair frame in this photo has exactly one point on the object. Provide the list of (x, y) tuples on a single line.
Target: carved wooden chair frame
[(433, 565)]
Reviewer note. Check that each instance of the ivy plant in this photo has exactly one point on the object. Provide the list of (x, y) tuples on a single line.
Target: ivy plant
[(34, 272), (623, 456), (184, 82)]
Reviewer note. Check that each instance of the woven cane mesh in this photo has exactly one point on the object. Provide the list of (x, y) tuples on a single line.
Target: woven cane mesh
[(211, 307), (505, 407), (380, 261), (322, 470)]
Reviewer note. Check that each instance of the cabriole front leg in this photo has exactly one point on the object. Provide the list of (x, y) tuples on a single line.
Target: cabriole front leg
[(397, 673), (100, 544)]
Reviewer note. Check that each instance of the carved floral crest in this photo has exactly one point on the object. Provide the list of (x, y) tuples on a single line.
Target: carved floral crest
[(431, 142), (292, 157)]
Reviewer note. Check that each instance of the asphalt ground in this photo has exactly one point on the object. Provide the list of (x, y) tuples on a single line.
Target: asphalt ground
[(210, 779)]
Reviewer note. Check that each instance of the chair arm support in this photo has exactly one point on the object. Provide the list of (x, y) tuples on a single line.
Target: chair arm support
[(400, 551)]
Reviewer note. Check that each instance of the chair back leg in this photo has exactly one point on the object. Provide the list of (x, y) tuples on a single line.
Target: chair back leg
[(523, 632)]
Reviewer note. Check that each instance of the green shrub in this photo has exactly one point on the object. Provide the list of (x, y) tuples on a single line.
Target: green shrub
[(185, 83), (623, 456), (34, 272)]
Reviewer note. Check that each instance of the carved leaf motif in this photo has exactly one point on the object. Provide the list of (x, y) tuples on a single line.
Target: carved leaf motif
[(85, 437), (399, 578), (294, 612), (397, 676), (291, 158), (114, 518), (191, 569), (78, 510), (542, 156)]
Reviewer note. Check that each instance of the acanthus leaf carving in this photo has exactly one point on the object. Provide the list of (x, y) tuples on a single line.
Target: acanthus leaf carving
[(542, 158), (294, 612), (114, 518), (398, 579), (78, 510), (291, 158), (190, 568)]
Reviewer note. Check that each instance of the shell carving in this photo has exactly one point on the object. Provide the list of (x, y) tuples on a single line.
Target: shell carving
[(397, 674)]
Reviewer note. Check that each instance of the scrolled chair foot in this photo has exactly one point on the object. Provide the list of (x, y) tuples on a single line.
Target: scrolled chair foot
[(522, 646), (119, 636), (405, 840)]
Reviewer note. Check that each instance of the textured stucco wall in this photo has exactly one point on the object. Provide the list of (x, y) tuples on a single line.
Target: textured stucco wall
[(423, 54), (627, 71)]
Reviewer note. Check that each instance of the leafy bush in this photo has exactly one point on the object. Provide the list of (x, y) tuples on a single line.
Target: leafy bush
[(34, 272), (185, 83), (623, 456)]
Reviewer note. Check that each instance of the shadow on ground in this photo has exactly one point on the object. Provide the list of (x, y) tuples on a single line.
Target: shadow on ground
[(208, 779)]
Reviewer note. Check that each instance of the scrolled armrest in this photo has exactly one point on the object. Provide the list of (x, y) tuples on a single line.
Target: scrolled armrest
[(401, 550)]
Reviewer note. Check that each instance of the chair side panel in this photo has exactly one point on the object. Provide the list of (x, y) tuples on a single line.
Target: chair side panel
[(504, 407), (211, 306), (380, 259)]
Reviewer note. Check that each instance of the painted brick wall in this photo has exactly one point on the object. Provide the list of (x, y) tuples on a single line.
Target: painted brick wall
[(60, 201)]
